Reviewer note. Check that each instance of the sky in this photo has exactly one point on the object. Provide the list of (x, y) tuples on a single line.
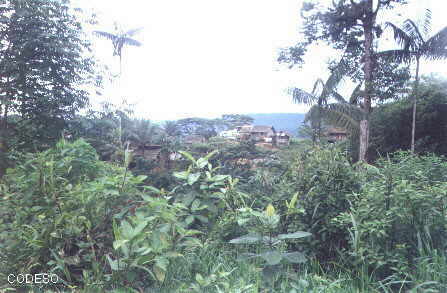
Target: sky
[(212, 57)]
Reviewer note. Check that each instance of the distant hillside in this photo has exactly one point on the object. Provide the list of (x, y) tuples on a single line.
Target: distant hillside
[(280, 121)]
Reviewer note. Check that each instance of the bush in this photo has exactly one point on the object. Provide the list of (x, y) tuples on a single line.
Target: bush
[(322, 180), (399, 214), (56, 213)]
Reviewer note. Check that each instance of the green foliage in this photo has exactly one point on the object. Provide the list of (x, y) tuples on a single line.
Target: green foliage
[(391, 127), (321, 180), (398, 214), (262, 227), (46, 67), (57, 207), (148, 241), (201, 190)]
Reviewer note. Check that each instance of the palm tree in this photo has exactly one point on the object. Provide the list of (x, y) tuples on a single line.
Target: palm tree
[(416, 45), (119, 40), (319, 101), (344, 113)]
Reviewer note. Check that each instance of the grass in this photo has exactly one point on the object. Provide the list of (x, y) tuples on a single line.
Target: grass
[(215, 269)]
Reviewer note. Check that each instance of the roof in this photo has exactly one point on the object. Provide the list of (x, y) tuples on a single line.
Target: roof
[(193, 138), (245, 128), (262, 128), (336, 130), (283, 133), (150, 147)]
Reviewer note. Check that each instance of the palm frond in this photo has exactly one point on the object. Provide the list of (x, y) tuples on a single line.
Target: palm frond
[(427, 22), (131, 42), (436, 47), (413, 31), (106, 35), (356, 93), (339, 98), (133, 31), (314, 114), (337, 75), (399, 56), (314, 90), (401, 36), (302, 97), (346, 116)]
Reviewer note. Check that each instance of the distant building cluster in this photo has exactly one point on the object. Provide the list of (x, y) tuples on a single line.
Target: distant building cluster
[(258, 133)]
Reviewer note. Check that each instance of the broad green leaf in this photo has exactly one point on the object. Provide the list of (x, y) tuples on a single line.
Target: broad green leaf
[(192, 178), (160, 274), (294, 257), (189, 220), (207, 157), (246, 255), (152, 189), (220, 177), (247, 239), (188, 199), (202, 162), (181, 175), (162, 263), (295, 235), (202, 218), (118, 243), (199, 279), (113, 263), (272, 257), (195, 204), (188, 156), (141, 178), (139, 228)]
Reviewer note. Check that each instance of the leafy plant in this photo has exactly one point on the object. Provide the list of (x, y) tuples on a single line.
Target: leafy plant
[(146, 242), (201, 190), (271, 244), (57, 209)]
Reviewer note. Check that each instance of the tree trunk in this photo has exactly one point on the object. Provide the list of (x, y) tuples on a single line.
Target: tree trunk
[(368, 24), (415, 97), (364, 136)]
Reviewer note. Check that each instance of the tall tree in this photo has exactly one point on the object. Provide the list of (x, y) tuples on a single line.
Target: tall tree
[(234, 120), (45, 69), (351, 26), (417, 44)]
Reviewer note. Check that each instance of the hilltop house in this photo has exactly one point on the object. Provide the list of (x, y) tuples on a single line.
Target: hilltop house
[(229, 134), (283, 138), (148, 151), (192, 139), (335, 134), (262, 133)]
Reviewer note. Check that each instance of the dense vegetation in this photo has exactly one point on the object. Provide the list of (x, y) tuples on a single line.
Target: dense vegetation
[(83, 198)]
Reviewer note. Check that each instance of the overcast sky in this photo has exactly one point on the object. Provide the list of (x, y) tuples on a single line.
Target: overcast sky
[(211, 57)]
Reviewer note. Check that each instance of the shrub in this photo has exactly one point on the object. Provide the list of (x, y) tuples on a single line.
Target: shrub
[(56, 212), (398, 214), (322, 180)]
